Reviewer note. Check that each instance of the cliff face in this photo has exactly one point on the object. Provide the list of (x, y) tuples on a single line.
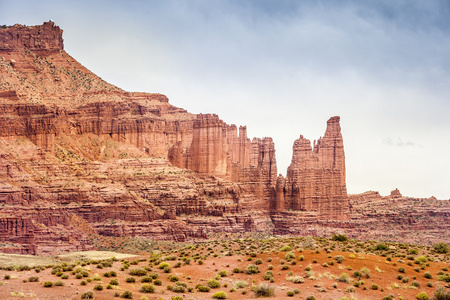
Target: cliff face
[(43, 38), (315, 179)]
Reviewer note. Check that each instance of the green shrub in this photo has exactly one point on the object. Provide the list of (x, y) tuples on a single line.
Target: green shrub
[(263, 290), (415, 284), (252, 269), (381, 247), (174, 278), (98, 287), (344, 277), (240, 284), (286, 248), (203, 288), (422, 296), (7, 277), (147, 288), (445, 277), (114, 282), (157, 282), (339, 237), (48, 284), (33, 279), (220, 295), (87, 295), (59, 283), (428, 275), (440, 247), (441, 293), (138, 272), (163, 265), (374, 286), (223, 273), (130, 279), (290, 293), (268, 275), (339, 258), (214, 284), (127, 295)]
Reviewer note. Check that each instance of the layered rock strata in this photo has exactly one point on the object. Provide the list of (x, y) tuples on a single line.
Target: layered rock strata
[(315, 179)]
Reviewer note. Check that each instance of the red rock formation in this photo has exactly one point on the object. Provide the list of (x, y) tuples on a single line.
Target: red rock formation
[(42, 38), (315, 179)]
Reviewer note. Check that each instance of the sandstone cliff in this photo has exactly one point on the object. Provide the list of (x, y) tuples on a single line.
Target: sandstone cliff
[(315, 179)]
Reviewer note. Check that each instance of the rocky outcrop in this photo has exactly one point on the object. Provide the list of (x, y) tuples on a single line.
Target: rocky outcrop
[(315, 179), (42, 38)]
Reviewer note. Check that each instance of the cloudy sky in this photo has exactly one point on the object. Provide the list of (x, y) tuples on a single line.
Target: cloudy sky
[(283, 68)]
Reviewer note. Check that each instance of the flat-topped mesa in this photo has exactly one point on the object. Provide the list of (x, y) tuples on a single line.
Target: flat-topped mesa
[(315, 179), (42, 38)]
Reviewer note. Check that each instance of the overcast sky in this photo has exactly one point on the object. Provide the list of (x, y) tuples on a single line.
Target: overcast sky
[(283, 68)]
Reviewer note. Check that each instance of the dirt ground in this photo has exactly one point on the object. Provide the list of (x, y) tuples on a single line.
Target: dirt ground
[(320, 281)]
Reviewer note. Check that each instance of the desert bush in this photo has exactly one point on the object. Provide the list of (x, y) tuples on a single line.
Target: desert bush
[(427, 275), (223, 273), (98, 287), (263, 290), (381, 246), (444, 277), (441, 293), (290, 293), (157, 282), (214, 284), (344, 277), (203, 288), (374, 286), (174, 278), (163, 265), (220, 295), (7, 277), (289, 256), (422, 296), (440, 247), (240, 284), (59, 283), (339, 237), (286, 248), (147, 288), (114, 282), (130, 279), (401, 270), (138, 272), (87, 295), (268, 275), (127, 295), (296, 279), (415, 284), (146, 279), (252, 269), (339, 258), (48, 284), (33, 279)]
